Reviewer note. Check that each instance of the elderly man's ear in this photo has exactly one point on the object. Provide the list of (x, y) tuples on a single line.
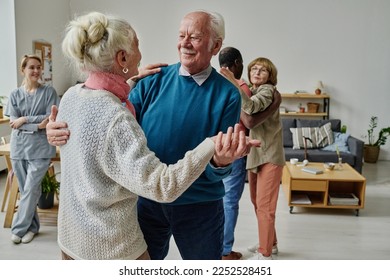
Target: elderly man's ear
[(217, 47)]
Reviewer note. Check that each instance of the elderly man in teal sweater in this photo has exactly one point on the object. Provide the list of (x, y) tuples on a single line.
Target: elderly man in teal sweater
[(177, 108)]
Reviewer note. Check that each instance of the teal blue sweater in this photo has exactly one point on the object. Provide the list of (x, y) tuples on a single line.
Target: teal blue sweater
[(177, 114)]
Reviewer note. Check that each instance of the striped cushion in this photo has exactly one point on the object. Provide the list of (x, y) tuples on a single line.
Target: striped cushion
[(320, 136)]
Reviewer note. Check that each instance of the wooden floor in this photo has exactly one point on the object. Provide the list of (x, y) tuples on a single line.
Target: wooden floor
[(48, 217)]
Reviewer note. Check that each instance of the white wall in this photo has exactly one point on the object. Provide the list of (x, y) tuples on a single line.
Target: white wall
[(344, 43), (8, 76), (43, 20)]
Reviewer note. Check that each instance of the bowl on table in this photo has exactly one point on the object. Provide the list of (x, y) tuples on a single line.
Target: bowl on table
[(329, 165)]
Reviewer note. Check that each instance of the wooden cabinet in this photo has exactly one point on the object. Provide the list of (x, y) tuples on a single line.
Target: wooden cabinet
[(294, 99), (312, 190)]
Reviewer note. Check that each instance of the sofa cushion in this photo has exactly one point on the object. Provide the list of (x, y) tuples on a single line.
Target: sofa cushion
[(340, 142), (319, 136), (287, 135), (335, 123)]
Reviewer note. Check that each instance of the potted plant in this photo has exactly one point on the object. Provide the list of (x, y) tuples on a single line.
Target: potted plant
[(371, 150), (50, 187)]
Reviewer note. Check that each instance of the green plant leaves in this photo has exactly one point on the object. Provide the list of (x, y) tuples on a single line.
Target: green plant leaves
[(383, 133), (50, 184)]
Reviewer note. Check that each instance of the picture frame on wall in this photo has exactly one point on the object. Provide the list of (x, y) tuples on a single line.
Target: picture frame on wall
[(44, 51)]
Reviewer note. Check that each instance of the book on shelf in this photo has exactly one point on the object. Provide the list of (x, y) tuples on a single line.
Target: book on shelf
[(300, 199), (343, 199), (312, 170)]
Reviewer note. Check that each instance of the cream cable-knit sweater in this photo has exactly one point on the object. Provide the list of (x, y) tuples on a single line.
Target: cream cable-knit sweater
[(104, 167)]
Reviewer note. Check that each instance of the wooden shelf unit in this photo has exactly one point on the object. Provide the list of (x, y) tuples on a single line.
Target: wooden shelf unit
[(307, 96)]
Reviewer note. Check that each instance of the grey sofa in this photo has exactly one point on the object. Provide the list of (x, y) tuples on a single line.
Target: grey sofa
[(355, 146)]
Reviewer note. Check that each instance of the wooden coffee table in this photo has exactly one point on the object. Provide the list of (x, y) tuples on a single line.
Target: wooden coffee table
[(304, 189)]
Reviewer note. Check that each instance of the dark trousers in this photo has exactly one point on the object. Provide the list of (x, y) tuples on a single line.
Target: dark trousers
[(197, 228)]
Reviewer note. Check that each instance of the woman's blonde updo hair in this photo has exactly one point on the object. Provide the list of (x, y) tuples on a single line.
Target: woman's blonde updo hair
[(91, 41)]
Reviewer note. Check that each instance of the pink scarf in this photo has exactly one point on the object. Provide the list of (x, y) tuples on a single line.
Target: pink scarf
[(113, 83)]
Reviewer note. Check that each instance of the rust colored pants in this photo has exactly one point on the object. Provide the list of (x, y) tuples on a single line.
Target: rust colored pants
[(264, 192)]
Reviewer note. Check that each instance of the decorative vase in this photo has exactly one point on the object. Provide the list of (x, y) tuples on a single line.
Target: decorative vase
[(340, 164), (46, 201), (371, 153), (319, 88)]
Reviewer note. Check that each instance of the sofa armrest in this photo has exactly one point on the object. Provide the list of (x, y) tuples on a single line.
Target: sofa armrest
[(356, 147)]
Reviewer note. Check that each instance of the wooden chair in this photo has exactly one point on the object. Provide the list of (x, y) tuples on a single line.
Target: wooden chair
[(12, 201), (8, 183)]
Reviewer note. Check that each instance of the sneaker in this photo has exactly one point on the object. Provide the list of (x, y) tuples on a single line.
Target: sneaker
[(275, 249), (259, 256), (232, 256), (254, 248), (28, 237), (16, 239)]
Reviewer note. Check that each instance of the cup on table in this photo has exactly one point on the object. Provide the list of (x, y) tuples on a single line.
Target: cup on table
[(293, 161)]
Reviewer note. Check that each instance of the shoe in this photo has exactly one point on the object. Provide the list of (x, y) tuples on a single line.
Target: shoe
[(232, 256), (254, 248), (275, 249), (259, 256), (16, 239), (28, 237)]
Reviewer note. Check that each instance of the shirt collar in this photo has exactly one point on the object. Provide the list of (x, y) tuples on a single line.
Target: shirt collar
[(200, 77)]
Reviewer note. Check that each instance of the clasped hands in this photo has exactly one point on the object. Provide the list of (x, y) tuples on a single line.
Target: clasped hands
[(232, 145)]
